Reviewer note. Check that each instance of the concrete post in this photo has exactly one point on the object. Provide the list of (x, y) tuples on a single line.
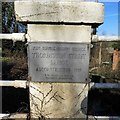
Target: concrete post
[(59, 37)]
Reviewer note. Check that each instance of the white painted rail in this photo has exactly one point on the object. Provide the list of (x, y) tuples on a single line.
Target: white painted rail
[(13, 116), (16, 83), (96, 38), (23, 36), (104, 85), (103, 118), (14, 36)]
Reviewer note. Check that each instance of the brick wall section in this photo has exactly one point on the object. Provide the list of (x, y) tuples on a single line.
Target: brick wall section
[(116, 59)]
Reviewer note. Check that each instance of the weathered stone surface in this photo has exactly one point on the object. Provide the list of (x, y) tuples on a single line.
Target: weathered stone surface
[(59, 33), (57, 11), (58, 100)]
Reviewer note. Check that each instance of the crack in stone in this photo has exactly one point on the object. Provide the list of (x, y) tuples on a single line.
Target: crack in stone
[(35, 97), (37, 14), (79, 95), (37, 90), (49, 91)]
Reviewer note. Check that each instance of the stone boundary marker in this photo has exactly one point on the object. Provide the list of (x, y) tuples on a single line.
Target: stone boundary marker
[(59, 35)]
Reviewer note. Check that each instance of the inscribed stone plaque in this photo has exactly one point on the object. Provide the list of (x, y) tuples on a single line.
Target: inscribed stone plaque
[(58, 62)]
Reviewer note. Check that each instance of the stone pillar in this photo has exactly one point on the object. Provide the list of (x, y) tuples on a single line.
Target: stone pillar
[(59, 37), (64, 62)]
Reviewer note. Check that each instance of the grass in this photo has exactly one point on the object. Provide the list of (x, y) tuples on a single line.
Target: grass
[(5, 59)]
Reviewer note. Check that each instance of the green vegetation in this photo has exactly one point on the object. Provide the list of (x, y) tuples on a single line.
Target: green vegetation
[(116, 45), (105, 68), (5, 59), (14, 59)]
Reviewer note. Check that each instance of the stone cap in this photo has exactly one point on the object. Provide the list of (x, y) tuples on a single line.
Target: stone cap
[(59, 12)]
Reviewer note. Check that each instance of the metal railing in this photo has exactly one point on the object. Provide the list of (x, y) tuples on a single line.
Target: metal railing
[(15, 83), (14, 36), (23, 36), (24, 83)]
